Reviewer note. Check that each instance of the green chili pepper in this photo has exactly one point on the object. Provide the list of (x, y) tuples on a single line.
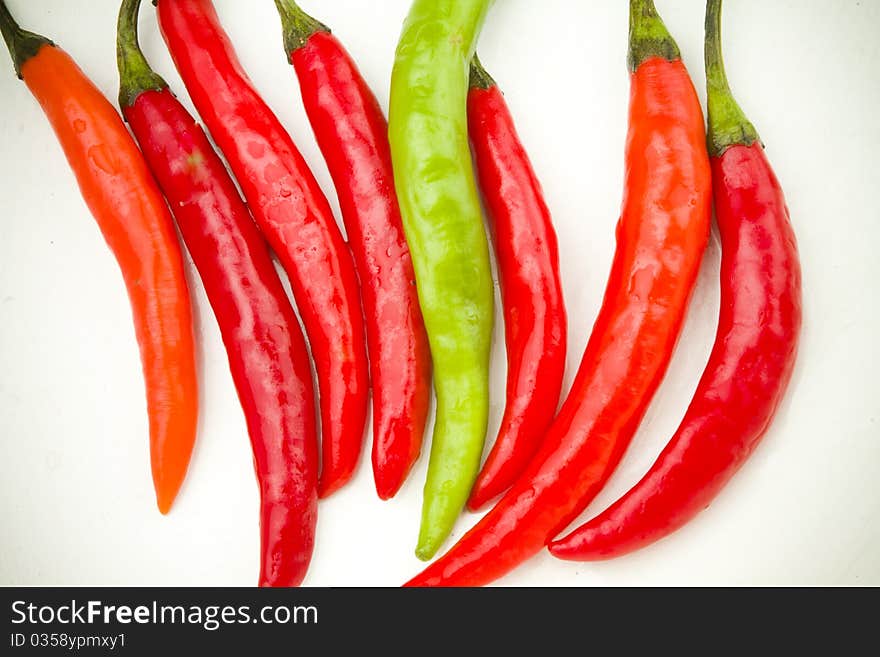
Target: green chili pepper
[(444, 228)]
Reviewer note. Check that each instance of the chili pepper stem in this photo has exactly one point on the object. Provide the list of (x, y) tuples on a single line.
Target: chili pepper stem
[(22, 44), (480, 79), (648, 36), (728, 125), (135, 74), (297, 25)]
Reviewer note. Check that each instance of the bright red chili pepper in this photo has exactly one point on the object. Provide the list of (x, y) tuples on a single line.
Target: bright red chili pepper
[(353, 136), (661, 236), (266, 350), (755, 347), (531, 291), (295, 217)]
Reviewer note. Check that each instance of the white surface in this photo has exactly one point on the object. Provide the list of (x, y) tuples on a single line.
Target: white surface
[(76, 500)]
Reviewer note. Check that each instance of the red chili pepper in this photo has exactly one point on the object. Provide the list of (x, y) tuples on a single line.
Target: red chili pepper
[(295, 217), (266, 350), (126, 203), (661, 237), (531, 291), (755, 347), (353, 136)]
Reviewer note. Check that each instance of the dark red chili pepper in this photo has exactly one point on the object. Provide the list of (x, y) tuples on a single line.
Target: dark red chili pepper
[(267, 353), (755, 347), (661, 236), (293, 214), (531, 291), (353, 136)]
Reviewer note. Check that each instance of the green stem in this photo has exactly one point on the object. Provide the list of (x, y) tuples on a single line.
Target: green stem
[(648, 36), (296, 25), (22, 44), (480, 79), (728, 125), (135, 74)]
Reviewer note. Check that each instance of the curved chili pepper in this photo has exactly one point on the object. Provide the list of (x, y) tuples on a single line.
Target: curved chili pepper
[(295, 217), (755, 347), (266, 349), (444, 229), (134, 220), (661, 236), (353, 136), (531, 291)]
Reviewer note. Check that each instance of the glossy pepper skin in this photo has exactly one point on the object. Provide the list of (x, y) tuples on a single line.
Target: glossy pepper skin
[(353, 136), (293, 214), (444, 228), (126, 203), (531, 291), (755, 346), (266, 349), (661, 236)]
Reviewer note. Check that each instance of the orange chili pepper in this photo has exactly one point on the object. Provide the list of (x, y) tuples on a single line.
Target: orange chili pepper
[(131, 213)]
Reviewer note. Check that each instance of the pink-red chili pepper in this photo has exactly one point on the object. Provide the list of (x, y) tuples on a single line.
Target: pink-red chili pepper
[(531, 290), (295, 217), (661, 236), (353, 136), (266, 350), (755, 346), (126, 203)]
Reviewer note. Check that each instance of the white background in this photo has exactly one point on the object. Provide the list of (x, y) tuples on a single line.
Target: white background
[(76, 500)]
